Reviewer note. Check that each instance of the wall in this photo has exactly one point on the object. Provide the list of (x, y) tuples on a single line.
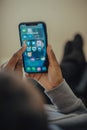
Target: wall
[(64, 18)]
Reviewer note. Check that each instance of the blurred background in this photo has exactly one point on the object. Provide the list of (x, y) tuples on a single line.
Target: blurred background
[(64, 18)]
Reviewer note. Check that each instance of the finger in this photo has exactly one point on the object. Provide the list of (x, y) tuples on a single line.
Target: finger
[(18, 68), (35, 76), (19, 65), (51, 56), (14, 59), (29, 75)]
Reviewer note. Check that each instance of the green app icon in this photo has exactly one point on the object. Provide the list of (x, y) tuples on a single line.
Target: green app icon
[(28, 68), (24, 30), (33, 68)]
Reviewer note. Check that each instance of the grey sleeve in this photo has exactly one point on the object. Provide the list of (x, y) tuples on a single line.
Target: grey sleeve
[(65, 100)]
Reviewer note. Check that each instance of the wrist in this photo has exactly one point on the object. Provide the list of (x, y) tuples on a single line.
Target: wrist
[(54, 85)]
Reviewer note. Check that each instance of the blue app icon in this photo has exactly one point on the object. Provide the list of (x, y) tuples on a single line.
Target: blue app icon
[(25, 53), (33, 43), (24, 37), (30, 36), (34, 49), (28, 48), (39, 49), (44, 68), (28, 43), (43, 58)]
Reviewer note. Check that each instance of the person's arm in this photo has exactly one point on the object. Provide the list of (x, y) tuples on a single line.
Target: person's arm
[(49, 80), (63, 97), (56, 88)]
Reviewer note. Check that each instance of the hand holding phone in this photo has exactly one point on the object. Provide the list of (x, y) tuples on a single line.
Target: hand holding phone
[(34, 34)]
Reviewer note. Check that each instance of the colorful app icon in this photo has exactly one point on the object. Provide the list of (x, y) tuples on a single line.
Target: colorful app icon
[(32, 59), (30, 31), (29, 54), (25, 53), (33, 43), (33, 68), (28, 43), (39, 43), (28, 68), (28, 48), (44, 68), (38, 68), (24, 36), (34, 49), (42, 58), (39, 49), (30, 36), (24, 30)]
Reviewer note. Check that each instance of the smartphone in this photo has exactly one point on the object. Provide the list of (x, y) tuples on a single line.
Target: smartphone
[(34, 34)]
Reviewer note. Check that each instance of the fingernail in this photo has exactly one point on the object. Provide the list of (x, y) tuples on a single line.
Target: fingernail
[(24, 45)]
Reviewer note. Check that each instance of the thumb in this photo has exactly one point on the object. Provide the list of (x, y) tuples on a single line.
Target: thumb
[(15, 58), (51, 56), (18, 68)]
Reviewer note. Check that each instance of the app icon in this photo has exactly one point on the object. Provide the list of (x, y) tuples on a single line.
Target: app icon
[(25, 53), (39, 43), (34, 49), (28, 48), (33, 43), (32, 59), (24, 30), (28, 68), (29, 54), (44, 68), (24, 36), (42, 58), (39, 48), (33, 68), (30, 30), (30, 35), (28, 43), (38, 68)]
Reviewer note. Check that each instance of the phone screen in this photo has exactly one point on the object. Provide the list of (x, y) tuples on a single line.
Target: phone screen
[(35, 36)]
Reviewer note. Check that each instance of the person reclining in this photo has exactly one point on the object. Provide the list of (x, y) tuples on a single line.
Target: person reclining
[(65, 103)]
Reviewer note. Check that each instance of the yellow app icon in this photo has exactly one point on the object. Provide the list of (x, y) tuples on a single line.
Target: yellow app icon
[(29, 54)]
